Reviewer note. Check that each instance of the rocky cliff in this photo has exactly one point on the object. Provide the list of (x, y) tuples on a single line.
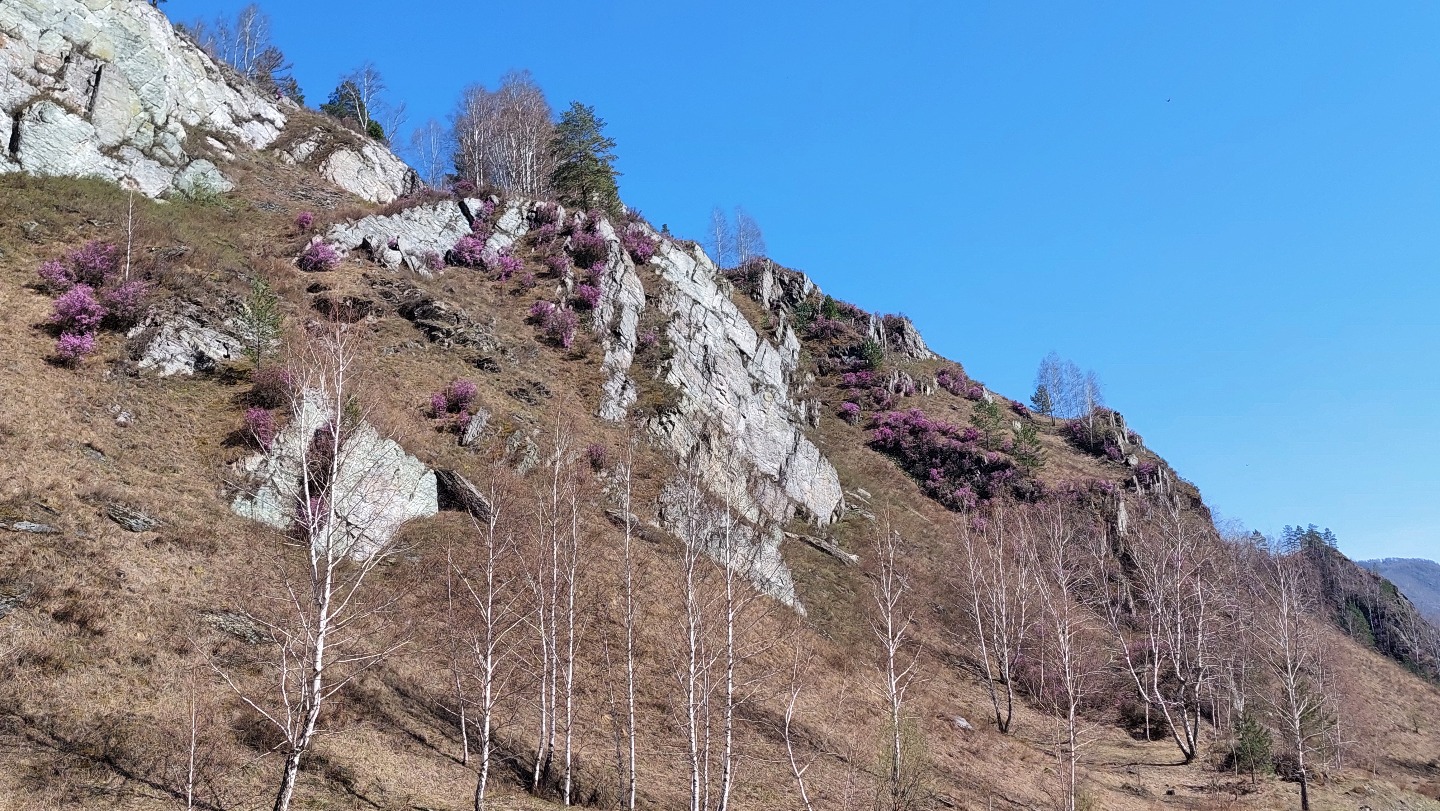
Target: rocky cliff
[(106, 88)]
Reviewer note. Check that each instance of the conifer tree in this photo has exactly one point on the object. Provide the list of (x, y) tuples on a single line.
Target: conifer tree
[(584, 172)]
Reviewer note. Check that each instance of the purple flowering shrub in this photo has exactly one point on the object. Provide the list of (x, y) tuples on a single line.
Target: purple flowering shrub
[(304, 220), (91, 264), (271, 386), (954, 380), (1093, 435), (588, 249), (587, 296), (949, 461), (649, 339), (77, 311), (1147, 473), (558, 264), (126, 301), (318, 256), (598, 455), (505, 264), (74, 346), (456, 398), (260, 427), (850, 412), (640, 245), (469, 252), (434, 262), (1019, 408), (557, 324)]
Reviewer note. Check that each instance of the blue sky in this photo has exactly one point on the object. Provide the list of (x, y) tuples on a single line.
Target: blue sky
[(1227, 210)]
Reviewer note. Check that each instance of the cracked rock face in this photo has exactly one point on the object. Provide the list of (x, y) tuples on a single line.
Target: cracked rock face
[(109, 90), (377, 486), (181, 343)]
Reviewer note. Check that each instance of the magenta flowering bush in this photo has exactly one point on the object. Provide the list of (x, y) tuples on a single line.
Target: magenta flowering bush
[(271, 386), (74, 346), (458, 397), (318, 256), (91, 264), (649, 339), (434, 262), (850, 412), (1147, 473), (77, 311), (260, 427), (558, 324), (1019, 408), (954, 380), (598, 455), (506, 265), (588, 249), (640, 245), (126, 301), (304, 220), (558, 264), (587, 295), (947, 460), (469, 252), (857, 380), (1093, 436)]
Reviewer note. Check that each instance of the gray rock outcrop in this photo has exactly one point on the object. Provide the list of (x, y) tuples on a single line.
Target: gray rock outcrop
[(110, 90), (181, 343), (375, 488)]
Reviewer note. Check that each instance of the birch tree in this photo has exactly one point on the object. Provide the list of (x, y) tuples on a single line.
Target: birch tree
[(1063, 574), (502, 137), (487, 623), (1168, 599), (996, 574), (1293, 656), (329, 627), (899, 656)]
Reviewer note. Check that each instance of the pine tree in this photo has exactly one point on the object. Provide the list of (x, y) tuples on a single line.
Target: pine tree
[(584, 173), (1041, 401)]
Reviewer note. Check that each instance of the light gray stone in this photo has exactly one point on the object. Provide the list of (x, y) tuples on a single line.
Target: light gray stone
[(370, 172), (182, 343), (375, 489), (421, 230)]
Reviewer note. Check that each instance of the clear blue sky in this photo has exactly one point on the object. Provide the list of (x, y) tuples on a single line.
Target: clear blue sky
[(1228, 210)]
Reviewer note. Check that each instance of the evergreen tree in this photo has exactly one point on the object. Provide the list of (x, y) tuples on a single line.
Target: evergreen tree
[(584, 172), (1041, 402)]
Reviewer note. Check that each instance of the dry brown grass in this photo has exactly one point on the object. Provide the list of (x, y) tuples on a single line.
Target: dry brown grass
[(94, 690)]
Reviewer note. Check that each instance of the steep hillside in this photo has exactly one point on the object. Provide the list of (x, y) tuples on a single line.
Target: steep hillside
[(1417, 579), (607, 521)]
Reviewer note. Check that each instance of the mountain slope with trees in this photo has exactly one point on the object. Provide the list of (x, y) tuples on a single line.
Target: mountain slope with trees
[(496, 496)]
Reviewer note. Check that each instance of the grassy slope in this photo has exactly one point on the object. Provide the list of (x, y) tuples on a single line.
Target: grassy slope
[(110, 643)]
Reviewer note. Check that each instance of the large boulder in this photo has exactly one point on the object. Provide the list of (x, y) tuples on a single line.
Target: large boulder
[(376, 486)]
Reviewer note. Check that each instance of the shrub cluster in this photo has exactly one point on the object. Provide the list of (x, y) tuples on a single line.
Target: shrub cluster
[(850, 412), (1094, 436), (587, 296), (557, 323), (318, 256), (454, 405), (304, 220), (91, 292), (260, 427), (640, 245), (950, 461)]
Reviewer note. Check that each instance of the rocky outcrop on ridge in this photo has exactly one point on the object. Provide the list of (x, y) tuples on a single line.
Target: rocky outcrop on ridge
[(109, 90)]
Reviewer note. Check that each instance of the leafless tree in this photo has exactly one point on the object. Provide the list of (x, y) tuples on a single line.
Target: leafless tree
[(900, 656), (720, 239), (244, 44), (328, 628), (996, 574), (358, 95), (430, 144), (1293, 655), (489, 619), (749, 241), (1073, 393), (1168, 598), (1063, 574), (629, 620), (502, 138), (798, 673)]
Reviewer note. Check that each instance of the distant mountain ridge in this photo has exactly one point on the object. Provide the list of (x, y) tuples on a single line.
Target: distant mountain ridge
[(1417, 578)]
